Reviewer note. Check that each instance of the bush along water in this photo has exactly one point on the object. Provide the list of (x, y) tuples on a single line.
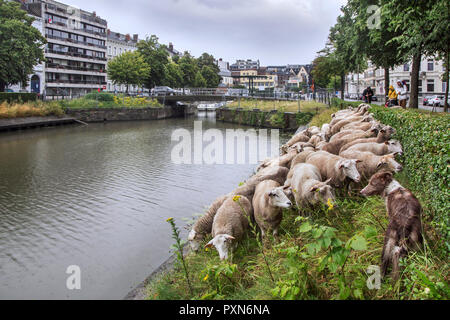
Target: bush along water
[(425, 139)]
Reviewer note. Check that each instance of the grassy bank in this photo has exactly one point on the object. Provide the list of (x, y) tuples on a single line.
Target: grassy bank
[(106, 100), (286, 106), (30, 109), (324, 256), (93, 100)]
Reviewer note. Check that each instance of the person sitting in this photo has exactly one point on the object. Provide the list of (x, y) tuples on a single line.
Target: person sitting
[(368, 94)]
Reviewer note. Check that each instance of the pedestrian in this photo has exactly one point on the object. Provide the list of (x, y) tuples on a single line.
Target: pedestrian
[(368, 94), (401, 92), (392, 97)]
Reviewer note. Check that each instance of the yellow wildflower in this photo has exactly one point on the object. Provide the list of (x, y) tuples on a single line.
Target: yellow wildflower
[(236, 198), (169, 220), (206, 278), (330, 204)]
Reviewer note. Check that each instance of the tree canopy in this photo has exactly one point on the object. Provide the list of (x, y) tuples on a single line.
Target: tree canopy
[(128, 69), (21, 45)]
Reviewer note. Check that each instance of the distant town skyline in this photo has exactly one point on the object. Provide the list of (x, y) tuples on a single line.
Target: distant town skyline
[(277, 32)]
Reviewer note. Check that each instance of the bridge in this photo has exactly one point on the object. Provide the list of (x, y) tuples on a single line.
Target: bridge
[(219, 95)]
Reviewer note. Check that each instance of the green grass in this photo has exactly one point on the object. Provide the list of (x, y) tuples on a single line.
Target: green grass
[(287, 106), (325, 256), (293, 267)]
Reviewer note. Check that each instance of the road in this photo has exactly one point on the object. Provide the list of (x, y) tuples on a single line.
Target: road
[(421, 106)]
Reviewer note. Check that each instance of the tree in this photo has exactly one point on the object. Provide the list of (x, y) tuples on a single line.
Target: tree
[(128, 69), (376, 42), (21, 45), (409, 19), (189, 68), (323, 70), (199, 81), (211, 76), (156, 57), (438, 40), (173, 75)]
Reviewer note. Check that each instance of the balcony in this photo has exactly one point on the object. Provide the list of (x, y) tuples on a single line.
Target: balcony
[(75, 41), (89, 82), (64, 12), (67, 69), (76, 55)]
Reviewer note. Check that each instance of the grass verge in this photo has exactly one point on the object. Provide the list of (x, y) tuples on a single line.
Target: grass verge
[(287, 106), (327, 255)]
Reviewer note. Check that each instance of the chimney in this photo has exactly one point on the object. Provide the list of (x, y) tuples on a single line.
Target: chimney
[(108, 31), (135, 37), (94, 14), (127, 37), (170, 46)]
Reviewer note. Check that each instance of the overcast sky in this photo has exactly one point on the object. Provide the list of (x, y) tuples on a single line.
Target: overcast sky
[(276, 32)]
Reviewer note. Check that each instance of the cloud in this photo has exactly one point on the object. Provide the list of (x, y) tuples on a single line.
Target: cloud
[(274, 31)]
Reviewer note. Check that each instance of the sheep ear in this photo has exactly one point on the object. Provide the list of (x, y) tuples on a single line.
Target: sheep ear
[(228, 237), (358, 161), (386, 143), (380, 164)]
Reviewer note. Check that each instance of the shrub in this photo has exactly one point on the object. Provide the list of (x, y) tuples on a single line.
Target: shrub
[(426, 158), (11, 97), (324, 117), (100, 96), (30, 109), (303, 118)]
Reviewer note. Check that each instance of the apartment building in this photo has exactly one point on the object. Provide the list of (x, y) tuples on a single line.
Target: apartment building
[(430, 78), (75, 52), (36, 81), (245, 65), (117, 44)]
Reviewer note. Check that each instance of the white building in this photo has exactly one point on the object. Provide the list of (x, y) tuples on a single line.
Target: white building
[(225, 72), (430, 78), (36, 81), (118, 44)]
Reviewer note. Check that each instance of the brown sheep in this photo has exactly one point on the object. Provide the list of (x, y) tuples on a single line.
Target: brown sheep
[(370, 164), (333, 167), (384, 135), (379, 149), (404, 232), (335, 146)]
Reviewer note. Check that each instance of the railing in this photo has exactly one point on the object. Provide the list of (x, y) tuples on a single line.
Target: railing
[(73, 54), (75, 68), (76, 81), (75, 41)]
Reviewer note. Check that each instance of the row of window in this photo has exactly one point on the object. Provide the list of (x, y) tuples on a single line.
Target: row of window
[(114, 52), (51, 18), (72, 50), (430, 66), (66, 35), (63, 77)]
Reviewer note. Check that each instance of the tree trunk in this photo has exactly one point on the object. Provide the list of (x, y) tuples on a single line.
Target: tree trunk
[(2, 86), (447, 71), (414, 98), (386, 82), (342, 85)]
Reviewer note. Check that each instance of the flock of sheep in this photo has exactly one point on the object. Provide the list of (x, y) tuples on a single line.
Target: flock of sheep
[(346, 153)]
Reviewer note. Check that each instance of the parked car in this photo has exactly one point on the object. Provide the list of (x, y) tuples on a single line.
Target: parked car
[(354, 96), (436, 101), (374, 98), (426, 100), (9, 90), (163, 91)]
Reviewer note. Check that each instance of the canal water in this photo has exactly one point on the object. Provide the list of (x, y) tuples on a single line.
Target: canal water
[(97, 197)]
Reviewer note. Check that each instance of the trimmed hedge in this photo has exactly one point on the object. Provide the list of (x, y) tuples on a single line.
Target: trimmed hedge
[(425, 139), (11, 97)]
